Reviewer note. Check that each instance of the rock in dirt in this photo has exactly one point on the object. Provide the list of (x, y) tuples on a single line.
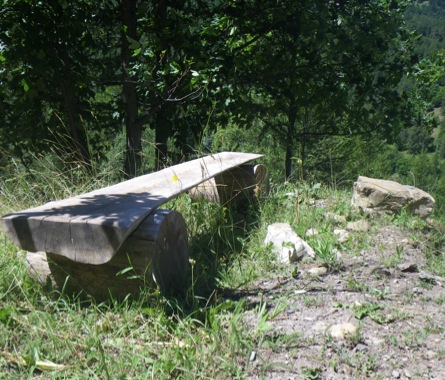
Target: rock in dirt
[(338, 219), (358, 226), (318, 271), (343, 235), (381, 271), (408, 267), (288, 246), (372, 194), (311, 232), (343, 330), (430, 278)]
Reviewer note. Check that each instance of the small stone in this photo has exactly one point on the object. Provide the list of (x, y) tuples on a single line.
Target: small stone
[(340, 218), (361, 347), (311, 232), (395, 374), (407, 374), (343, 330), (252, 356), (337, 253), (408, 267), (377, 342), (318, 271), (428, 277), (417, 291), (358, 226), (430, 355), (381, 271), (343, 235)]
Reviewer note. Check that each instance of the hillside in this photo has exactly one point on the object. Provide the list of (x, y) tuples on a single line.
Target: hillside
[(243, 314), (427, 19)]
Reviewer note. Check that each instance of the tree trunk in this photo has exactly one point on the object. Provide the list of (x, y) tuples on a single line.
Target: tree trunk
[(304, 140), (132, 128), (162, 133), (71, 104), (289, 152), (290, 137)]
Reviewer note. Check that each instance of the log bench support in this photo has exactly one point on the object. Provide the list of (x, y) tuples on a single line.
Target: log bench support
[(245, 182), (155, 254)]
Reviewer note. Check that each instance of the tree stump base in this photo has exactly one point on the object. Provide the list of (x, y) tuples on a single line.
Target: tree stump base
[(155, 254)]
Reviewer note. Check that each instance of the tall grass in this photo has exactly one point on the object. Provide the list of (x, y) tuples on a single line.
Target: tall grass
[(201, 332)]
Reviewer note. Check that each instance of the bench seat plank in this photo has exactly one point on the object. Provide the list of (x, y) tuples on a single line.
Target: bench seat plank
[(91, 227)]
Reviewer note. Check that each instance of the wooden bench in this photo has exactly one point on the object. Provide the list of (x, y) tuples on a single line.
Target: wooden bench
[(115, 239)]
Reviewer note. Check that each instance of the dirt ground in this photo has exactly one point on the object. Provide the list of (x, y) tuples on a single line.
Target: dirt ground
[(384, 290)]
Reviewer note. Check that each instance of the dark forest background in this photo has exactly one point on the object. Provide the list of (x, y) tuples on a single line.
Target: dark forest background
[(327, 91)]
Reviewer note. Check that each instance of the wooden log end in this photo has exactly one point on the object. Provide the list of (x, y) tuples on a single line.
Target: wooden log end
[(155, 254), (240, 183)]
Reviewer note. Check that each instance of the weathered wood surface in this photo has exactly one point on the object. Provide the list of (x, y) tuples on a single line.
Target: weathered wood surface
[(90, 228), (156, 252), (244, 181)]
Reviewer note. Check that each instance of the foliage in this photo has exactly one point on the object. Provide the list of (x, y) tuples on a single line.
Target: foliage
[(185, 69), (310, 96)]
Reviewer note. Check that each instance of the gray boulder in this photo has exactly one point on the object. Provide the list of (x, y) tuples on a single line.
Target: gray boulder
[(381, 195)]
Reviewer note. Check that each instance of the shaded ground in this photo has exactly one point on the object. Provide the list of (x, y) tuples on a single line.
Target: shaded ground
[(382, 289)]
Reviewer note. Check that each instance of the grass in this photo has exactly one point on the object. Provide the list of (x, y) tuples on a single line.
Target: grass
[(200, 332)]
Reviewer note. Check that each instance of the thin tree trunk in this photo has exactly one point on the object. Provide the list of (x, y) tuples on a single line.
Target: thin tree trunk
[(133, 131), (161, 137), (304, 140), (290, 138), (162, 130), (289, 152), (71, 104)]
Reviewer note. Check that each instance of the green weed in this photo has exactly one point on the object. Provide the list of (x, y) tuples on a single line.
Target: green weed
[(395, 259)]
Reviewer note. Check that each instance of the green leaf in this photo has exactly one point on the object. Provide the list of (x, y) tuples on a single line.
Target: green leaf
[(123, 271), (6, 314), (367, 310), (133, 43), (25, 85)]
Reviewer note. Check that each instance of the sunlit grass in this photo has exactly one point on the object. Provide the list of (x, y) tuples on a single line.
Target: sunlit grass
[(199, 333)]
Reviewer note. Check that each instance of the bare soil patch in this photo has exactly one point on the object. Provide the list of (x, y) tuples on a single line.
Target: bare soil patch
[(383, 289)]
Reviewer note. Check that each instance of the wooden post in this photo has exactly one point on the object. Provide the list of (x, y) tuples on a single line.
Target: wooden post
[(155, 254), (234, 185)]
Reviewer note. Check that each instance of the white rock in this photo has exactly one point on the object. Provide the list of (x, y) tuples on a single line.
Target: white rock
[(318, 271), (343, 235), (311, 232), (338, 219), (337, 253), (288, 246), (358, 226), (343, 330)]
